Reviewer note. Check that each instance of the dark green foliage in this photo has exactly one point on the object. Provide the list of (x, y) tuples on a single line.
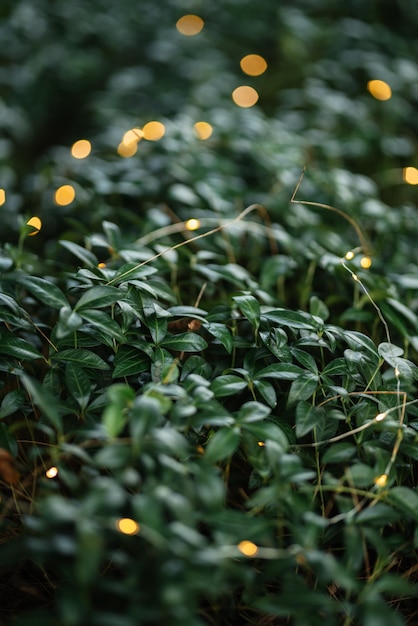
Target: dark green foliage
[(244, 394)]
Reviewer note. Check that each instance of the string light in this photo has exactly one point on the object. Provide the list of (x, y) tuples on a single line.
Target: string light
[(380, 416), (192, 224), (81, 149), (127, 526), (52, 472), (127, 150), (101, 266), (153, 131), (245, 96), (366, 262), (190, 25), (253, 64), (247, 548), (203, 130), (36, 224), (381, 480), (410, 175), (64, 195), (379, 89), (133, 135), (261, 444), (349, 255), (2, 196)]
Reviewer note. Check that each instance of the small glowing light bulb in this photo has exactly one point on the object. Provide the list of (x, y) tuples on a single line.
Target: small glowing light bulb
[(380, 417), (51, 472), (349, 255), (247, 548), (36, 224), (192, 224), (365, 262), (127, 526), (381, 480), (261, 444)]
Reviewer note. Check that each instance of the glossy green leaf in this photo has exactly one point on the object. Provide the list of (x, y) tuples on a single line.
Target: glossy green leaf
[(222, 445), (102, 322), (308, 417), (292, 319), (404, 499), (303, 387), (89, 259), (50, 406), (252, 412), (282, 371), (98, 297), (18, 348), (227, 385), (129, 361), (12, 402), (222, 334), (46, 291), (389, 352), (340, 452), (185, 342), (82, 357), (78, 383), (250, 308)]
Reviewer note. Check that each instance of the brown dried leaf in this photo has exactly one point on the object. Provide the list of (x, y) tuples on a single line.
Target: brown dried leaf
[(8, 472)]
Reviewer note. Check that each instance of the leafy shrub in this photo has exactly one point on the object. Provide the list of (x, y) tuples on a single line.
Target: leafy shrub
[(208, 398)]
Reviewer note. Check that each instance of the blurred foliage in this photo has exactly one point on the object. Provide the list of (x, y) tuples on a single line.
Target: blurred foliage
[(188, 409)]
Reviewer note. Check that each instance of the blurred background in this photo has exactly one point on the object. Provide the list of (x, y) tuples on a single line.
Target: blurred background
[(240, 95)]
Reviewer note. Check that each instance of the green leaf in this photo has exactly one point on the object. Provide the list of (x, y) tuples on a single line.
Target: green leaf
[(97, 297), (12, 402), (18, 348), (102, 322), (303, 387), (115, 415), (250, 308), (132, 271), (129, 361), (227, 385), (405, 500), (292, 319), (252, 412), (222, 333), (266, 391), (389, 352), (78, 383), (282, 371), (308, 417), (267, 431), (337, 367), (339, 452), (222, 445), (83, 357), (49, 405), (45, 291), (185, 342), (84, 255), (318, 308), (305, 359), (69, 321)]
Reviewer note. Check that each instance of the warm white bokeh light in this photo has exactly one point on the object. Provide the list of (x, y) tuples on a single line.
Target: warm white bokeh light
[(190, 25), (203, 130), (127, 526), (379, 89), (64, 195), (253, 64), (245, 96), (81, 149), (153, 131)]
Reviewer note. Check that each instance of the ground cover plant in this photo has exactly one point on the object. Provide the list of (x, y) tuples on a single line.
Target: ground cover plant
[(208, 355)]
